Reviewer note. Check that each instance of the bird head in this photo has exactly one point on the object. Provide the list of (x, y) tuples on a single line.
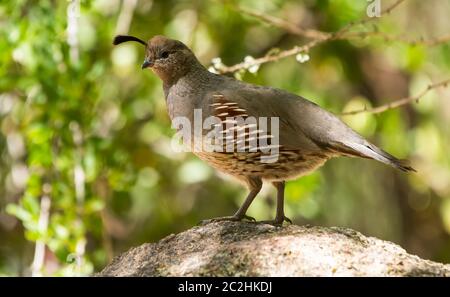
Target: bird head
[(170, 59)]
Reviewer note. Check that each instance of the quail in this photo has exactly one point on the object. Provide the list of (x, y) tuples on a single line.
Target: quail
[(307, 135)]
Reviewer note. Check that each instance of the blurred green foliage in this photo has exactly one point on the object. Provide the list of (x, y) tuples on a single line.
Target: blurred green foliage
[(87, 170)]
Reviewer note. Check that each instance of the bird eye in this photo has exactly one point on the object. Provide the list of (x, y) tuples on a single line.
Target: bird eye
[(164, 55)]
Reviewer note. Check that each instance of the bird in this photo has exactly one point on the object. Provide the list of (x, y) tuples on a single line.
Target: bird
[(307, 135)]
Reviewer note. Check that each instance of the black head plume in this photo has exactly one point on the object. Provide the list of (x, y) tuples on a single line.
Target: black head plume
[(124, 38)]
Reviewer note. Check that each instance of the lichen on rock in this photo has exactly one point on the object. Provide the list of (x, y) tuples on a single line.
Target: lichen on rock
[(251, 249)]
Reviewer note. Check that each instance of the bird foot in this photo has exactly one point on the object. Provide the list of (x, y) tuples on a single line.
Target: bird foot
[(233, 218), (278, 222)]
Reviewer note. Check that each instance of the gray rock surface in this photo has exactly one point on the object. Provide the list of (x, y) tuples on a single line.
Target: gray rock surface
[(249, 249)]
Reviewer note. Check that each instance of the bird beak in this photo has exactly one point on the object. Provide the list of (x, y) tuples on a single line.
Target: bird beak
[(147, 63)]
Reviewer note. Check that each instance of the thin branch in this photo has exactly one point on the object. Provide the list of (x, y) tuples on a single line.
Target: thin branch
[(437, 41), (400, 102), (271, 57), (310, 33), (366, 20), (390, 38), (392, 7), (283, 24), (316, 34), (300, 49)]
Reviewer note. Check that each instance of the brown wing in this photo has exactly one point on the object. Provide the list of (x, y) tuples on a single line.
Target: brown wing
[(237, 131)]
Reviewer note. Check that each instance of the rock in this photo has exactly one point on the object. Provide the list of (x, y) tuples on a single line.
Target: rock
[(249, 249)]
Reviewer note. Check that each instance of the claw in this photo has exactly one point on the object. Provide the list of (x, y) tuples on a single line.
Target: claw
[(228, 218), (278, 222), (249, 218), (288, 220)]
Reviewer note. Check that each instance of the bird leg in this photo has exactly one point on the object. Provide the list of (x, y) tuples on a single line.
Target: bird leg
[(255, 186), (280, 217)]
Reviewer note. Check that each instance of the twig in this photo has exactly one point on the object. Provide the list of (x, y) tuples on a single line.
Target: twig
[(316, 34), (285, 25), (365, 20), (300, 49), (271, 57), (437, 41), (389, 38), (392, 7), (400, 102)]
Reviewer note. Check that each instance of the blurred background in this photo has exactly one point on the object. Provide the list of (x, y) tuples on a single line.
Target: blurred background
[(86, 166)]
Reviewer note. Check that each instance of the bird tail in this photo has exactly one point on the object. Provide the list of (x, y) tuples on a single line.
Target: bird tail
[(370, 151)]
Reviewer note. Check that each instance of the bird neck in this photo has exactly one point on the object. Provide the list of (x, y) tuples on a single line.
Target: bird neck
[(187, 92), (189, 75)]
